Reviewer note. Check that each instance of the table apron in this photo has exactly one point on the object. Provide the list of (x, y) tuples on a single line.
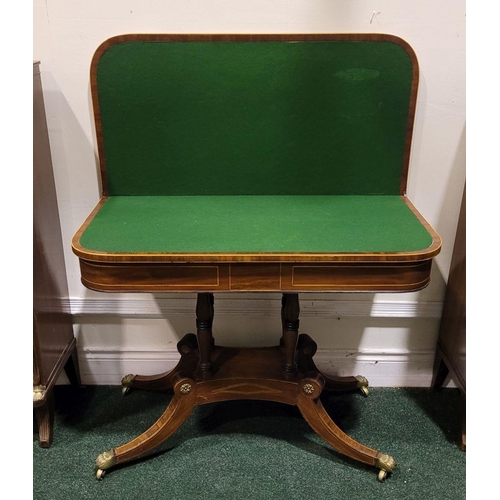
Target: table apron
[(283, 277)]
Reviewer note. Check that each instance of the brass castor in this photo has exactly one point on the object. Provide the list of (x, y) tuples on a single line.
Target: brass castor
[(363, 385), (103, 462), (386, 464), (127, 383), (364, 390)]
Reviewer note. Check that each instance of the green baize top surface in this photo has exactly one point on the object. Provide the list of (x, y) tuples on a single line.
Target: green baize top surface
[(193, 224), (254, 147)]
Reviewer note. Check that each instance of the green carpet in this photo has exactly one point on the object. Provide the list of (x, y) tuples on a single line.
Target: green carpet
[(252, 449)]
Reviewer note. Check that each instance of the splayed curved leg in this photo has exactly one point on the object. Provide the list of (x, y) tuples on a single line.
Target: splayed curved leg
[(173, 417), (306, 349), (319, 420), (187, 347)]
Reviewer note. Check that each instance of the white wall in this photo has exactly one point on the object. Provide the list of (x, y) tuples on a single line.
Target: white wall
[(390, 338)]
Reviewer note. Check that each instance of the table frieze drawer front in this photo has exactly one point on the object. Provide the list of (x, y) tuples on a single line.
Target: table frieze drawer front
[(353, 276), (154, 277), (255, 277)]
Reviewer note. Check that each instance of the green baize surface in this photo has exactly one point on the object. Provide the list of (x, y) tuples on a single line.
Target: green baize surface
[(255, 224), (254, 118), (254, 147)]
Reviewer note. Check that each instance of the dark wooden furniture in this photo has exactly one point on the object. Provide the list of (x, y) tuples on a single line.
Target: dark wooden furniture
[(253, 163), (54, 346), (451, 346)]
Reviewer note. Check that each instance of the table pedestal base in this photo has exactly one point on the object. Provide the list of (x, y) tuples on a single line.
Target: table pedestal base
[(207, 373)]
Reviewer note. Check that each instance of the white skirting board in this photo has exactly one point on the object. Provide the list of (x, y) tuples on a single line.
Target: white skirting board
[(251, 304), (106, 354), (382, 369)]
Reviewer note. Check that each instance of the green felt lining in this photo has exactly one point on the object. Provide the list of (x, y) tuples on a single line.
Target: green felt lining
[(254, 118), (193, 224)]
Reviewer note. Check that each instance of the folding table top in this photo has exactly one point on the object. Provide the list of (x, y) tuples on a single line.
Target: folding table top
[(245, 148)]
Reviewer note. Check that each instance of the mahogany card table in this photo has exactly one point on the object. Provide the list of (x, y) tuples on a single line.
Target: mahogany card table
[(253, 163)]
